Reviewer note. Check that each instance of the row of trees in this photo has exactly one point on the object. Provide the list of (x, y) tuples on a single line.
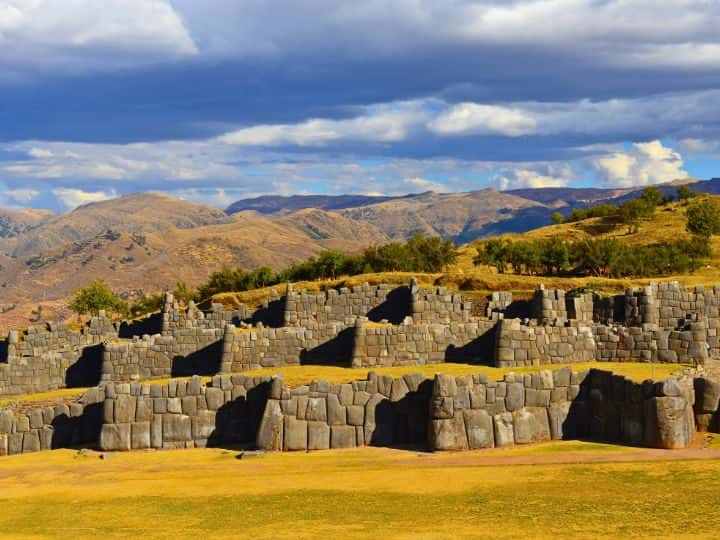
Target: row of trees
[(607, 257), (419, 254), (629, 212)]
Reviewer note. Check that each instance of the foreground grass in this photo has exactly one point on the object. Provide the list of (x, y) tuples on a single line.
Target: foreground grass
[(51, 395), (363, 493)]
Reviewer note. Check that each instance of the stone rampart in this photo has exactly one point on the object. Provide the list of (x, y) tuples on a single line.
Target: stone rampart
[(55, 426), (183, 413), (470, 412), (52, 356), (411, 343)]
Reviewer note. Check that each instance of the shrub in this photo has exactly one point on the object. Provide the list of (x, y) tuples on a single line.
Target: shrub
[(95, 297), (703, 218)]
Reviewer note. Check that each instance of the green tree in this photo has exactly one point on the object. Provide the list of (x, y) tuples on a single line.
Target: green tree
[(557, 218), (703, 217), (554, 255), (494, 252), (684, 193), (632, 211), (95, 297), (652, 196), (184, 293)]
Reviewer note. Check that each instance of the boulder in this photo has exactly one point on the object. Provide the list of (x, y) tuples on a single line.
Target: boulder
[(295, 434), (176, 428), (504, 431), (342, 436), (115, 437)]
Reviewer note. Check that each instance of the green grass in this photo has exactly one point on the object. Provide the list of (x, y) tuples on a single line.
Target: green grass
[(364, 493)]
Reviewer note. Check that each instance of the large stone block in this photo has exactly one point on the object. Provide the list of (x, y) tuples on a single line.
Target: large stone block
[(707, 395), (355, 415), (270, 434), (669, 422), (336, 413), (176, 428), (31, 441), (140, 435), (319, 436), (557, 418), (317, 409), (115, 437), (342, 436), (203, 425), (448, 434), (214, 397), (295, 434), (515, 396), (479, 428), (504, 431), (125, 409)]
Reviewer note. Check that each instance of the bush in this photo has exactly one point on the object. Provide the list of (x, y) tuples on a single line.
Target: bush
[(684, 193), (703, 218), (557, 218), (95, 297)]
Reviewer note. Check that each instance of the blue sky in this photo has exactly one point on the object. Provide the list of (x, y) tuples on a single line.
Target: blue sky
[(218, 100)]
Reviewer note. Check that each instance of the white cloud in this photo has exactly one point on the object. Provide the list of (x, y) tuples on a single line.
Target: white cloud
[(477, 119), (80, 34), (22, 196), (383, 123), (421, 184), (542, 176), (72, 198), (648, 163)]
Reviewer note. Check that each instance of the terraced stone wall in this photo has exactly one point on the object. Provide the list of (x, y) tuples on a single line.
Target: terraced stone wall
[(470, 412), (52, 356), (30, 429), (183, 413)]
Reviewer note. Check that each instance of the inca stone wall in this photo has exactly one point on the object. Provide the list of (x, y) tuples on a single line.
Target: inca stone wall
[(52, 356), (183, 413), (548, 306), (412, 343), (443, 413), (531, 345), (58, 426), (380, 411), (438, 305), (470, 412)]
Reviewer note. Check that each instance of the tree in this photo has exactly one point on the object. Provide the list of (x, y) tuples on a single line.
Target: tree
[(554, 255), (652, 196), (493, 252), (703, 217), (95, 297), (557, 218), (632, 211), (684, 193), (184, 293)]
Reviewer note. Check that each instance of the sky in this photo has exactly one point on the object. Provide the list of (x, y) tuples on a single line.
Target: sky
[(218, 100)]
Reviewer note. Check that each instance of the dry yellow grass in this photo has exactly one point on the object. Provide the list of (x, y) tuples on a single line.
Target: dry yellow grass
[(362, 493), (61, 394), (299, 375)]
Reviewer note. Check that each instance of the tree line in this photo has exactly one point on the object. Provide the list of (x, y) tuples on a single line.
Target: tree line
[(420, 253)]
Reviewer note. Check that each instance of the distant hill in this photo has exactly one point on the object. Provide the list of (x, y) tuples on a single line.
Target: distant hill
[(134, 213), (275, 204)]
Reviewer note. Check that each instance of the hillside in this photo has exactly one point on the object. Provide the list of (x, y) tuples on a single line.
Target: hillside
[(131, 262), (274, 204), (137, 213)]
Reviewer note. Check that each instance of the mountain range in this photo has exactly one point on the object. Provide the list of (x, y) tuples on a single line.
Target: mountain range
[(147, 242)]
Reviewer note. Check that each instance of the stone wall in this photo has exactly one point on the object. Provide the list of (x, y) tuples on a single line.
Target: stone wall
[(548, 306), (52, 356), (380, 411), (531, 345), (470, 412), (438, 305), (76, 424), (414, 343), (651, 344), (183, 413)]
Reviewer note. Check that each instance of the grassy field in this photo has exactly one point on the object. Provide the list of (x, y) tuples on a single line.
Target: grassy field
[(362, 493)]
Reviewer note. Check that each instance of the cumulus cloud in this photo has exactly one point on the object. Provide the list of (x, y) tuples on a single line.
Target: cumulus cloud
[(541, 176), (648, 163), (78, 34), (72, 198)]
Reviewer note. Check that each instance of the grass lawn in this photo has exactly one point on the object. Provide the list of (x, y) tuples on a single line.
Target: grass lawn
[(363, 493)]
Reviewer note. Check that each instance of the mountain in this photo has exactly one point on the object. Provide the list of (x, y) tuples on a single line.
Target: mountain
[(273, 204), (136, 213), (16, 222)]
